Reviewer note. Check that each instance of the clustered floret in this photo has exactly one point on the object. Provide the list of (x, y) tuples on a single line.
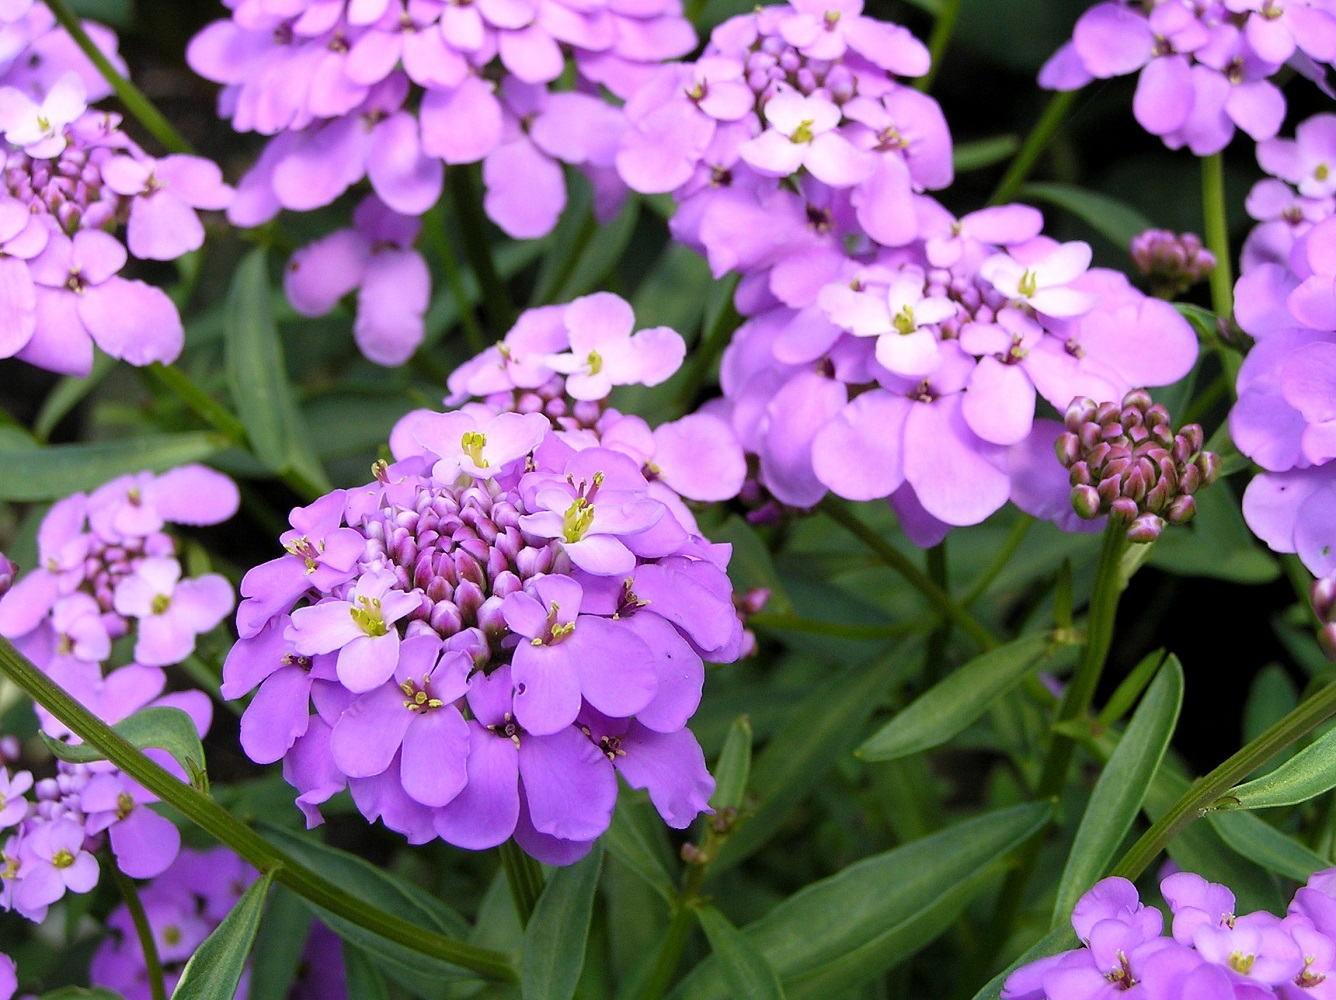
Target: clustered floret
[(1172, 261), (505, 619), (1211, 952)]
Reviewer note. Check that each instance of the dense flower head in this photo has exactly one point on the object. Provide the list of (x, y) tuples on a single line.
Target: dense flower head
[(1211, 951), (106, 567), (334, 82), (71, 179), (479, 640), (914, 373), (1205, 67), (790, 104), (183, 905), (1173, 262), (1126, 462), (1300, 192)]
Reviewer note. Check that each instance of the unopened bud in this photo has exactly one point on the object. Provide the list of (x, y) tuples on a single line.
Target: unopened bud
[(1324, 598), (1145, 528)]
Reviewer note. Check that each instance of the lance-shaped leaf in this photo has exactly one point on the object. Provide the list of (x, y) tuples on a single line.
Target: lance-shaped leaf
[(952, 704), (157, 726), (214, 971), (745, 968), (1117, 796), (1306, 775), (1109, 217), (277, 955), (554, 941), (33, 473), (824, 727), (733, 767), (365, 980), (257, 376), (1264, 845), (843, 930), (628, 844)]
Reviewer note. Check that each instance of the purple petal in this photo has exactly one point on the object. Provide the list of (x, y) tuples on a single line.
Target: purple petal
[(370, 731), (436, 747), (484, 813), (569, 785), (144, 843)]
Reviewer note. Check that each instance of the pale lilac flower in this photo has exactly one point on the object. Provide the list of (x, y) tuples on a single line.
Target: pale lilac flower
[(164, 195), (478, 449), (801, 132), (54, 861), (360, 629), (1041, 284), (171, 611), (13, 806), (38, 127), (9, 978), (604, 352)]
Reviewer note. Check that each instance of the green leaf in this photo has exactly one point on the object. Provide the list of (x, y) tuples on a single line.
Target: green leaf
[(1117, 795), (983, 152), (629, 846), (1111, 218), (1130, 687), (158, 726), (278, 949), (257, 376), (69, 392), (839, 932), (1306, 775), (823, 728), (1216, 543), (1262, 844), (33, 473), (365, 980), (748, 973), (82, 993), (424, 974), (1057, 940), (214, 971), (952, 704), (1204, 322), (733, 767), (554, 941)]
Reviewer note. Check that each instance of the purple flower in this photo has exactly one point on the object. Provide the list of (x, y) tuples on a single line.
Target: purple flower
[(54, 860), (360, 629), (9, 978), (171, 611)]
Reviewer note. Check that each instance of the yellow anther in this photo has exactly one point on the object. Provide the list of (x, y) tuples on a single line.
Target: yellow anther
[(803, 133), (473, 442), (369, 617)]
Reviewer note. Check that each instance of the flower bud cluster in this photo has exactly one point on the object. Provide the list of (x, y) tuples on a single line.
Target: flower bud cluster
[(477, 642), (1210, 952), (1125, 461), (1172, 262)]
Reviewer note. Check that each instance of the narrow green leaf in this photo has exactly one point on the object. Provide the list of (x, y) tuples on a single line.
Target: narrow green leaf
[(279, 945), (1204, 322), (1057, 940), (839, 932), (733, 767), (1262, 844), (554, 941), (748, 973), (429, 976), (69, 392), (628, 845), (365, 980), (82, 993), (33, 473), (984, 152), (1130, 687), (214, 971), (952, 704), (257, 376), (158, 726), (1111, 218), (1117, 796), (1307, 774), (823, 728)]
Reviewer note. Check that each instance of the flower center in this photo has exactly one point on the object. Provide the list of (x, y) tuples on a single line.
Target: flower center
[(1240, 962), (803, 133), (1322, 172), (161, 602), (171, 934), (419, 696), (904, 321), (579, 516), (369, 617), (1028, 285), (594, 362), (473, 443), (124, 805), (509, 729), (556, 631), (62, 858)]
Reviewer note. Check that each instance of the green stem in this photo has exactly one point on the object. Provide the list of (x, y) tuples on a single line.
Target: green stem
[(135, 907), (525, 877), (934, 655), (1217, 234), (1035, 144), (131, 96), (454, 277), (570, 260), (1205, 792), (205, 813), (833, 630), (709, 350), (670, 952), (898, 561), (1001, 559), (938, 41), (496, 304)]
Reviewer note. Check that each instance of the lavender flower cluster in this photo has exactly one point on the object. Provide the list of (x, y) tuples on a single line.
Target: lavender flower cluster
[(71, 178), (511, 614), (1205, 65), (1211, 953)]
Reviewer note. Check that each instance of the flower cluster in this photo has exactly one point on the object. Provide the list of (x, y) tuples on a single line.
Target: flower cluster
[(1286, 300), (107, 567), (35, 51), (183, 905), (478, 641), (1300, 192), (1210, 952), (1173, 262), (1126, 462), (71, 177), (809, 89), (394, 92), (1205, 67)]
